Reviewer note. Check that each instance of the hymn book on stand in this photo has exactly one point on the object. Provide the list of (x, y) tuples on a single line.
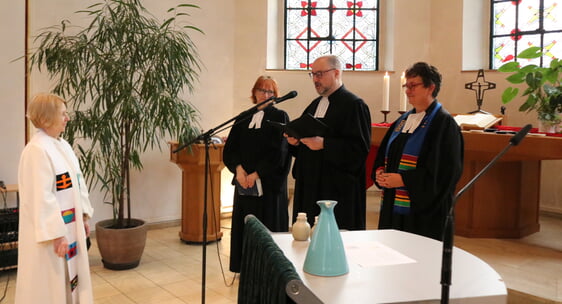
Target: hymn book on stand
[(477, 121)]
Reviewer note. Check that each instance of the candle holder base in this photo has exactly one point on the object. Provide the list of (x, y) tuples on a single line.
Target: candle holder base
[(385, 113), (401, 112)]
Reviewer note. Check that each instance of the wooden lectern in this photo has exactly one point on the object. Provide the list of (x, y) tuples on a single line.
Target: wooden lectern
[(191, 161), (504, 202)]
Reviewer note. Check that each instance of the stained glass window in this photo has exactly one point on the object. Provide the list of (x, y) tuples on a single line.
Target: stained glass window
[(348, 29), (517, 25)]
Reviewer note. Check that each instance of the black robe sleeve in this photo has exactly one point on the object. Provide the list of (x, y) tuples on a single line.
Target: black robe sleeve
[(439, 166), (336, 172), (350, 137), (431, 184)]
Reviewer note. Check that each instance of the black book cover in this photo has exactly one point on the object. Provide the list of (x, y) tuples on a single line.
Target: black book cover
[(256, 190), (302, 127)]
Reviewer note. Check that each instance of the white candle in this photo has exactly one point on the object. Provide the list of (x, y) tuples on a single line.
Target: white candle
[(403, 97), (385, 92)]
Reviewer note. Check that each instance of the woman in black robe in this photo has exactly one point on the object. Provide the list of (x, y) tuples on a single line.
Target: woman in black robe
[(420, 160), (256, 153)]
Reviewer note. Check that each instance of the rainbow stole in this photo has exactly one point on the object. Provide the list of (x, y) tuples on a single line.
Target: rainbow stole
[(409, 158)]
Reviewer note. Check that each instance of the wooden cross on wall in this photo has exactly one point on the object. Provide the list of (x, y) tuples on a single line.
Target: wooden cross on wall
[(479, 86)]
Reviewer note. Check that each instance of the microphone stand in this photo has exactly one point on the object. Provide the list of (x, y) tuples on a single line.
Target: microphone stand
[(449, 228), (206, 138)]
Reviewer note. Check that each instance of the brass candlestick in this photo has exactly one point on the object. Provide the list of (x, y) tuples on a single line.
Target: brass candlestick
[(385, 113)]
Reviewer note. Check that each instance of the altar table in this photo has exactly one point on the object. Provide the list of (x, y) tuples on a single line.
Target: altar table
[(413, 277)]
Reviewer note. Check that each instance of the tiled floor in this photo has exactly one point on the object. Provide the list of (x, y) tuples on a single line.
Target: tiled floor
[(170, 270), (169, 273)]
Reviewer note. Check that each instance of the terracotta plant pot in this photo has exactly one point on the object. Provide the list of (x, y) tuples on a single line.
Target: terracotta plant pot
[(121, 249)]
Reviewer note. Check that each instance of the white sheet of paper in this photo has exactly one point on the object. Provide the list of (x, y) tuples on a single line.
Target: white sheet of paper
[(371, 254)]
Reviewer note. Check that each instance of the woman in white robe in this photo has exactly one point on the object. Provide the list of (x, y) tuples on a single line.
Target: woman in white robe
[(53, 264)]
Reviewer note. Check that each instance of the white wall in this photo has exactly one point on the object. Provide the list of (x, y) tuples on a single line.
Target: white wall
[(233, 51), (156, 191), (12, 80)]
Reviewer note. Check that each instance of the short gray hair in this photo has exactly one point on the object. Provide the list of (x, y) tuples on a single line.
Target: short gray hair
[(333, 61)]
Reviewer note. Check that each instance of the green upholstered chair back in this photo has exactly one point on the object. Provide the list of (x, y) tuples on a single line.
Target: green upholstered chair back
[(266, 275)]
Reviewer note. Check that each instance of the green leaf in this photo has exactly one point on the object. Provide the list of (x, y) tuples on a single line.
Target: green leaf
[(530, 68), (165, 24), (550, 90), (555, 63), (516, 78), (509, 67), (530, 53), (528, 91), (194, 28), (524, 107), (551, 75), (529, 103), (509, 94), (534, 80), (188, 5)]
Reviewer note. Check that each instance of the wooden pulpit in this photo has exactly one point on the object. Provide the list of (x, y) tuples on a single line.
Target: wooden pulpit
[(191, 161)]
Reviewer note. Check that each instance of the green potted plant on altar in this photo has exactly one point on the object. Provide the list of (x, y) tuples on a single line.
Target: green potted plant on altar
[(122, 77), (543, 92)]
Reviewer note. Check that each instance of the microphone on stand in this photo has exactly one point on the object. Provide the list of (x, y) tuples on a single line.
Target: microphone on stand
[(242, 116), (517, 138), (449, 228), (251, 111), (289, 95), (270, 102)]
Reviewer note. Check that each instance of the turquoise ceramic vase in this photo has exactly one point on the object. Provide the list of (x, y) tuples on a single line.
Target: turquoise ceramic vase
[(326, 254)]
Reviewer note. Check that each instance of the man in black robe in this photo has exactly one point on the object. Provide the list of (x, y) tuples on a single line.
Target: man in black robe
[(420, 160), (332, 167)]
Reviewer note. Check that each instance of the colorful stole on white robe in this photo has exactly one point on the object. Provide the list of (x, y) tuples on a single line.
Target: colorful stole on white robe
[(410, 153), (66, 185)]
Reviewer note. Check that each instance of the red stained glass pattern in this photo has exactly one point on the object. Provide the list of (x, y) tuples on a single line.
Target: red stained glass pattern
[(517, 25), (344, 28)]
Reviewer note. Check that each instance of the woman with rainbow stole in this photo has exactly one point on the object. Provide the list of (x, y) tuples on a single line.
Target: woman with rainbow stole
[(420, 160)]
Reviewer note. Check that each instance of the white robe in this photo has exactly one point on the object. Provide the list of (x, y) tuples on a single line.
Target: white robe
[(42, 275)]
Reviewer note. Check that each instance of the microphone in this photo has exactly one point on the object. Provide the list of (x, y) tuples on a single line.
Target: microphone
[(289, 95), (517, 138), (449, 227)]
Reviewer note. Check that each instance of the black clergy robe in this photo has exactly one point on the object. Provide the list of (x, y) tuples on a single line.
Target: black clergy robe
[(431, 184), (265, 151), (336, 172)]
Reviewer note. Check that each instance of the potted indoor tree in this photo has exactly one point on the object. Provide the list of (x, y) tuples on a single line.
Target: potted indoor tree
[(543, 92), (122, 76)]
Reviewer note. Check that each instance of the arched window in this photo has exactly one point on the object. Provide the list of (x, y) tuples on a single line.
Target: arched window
[(517, 25), (348, 29)]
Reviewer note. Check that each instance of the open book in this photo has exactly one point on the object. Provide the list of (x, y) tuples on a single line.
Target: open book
[(304, 126), (478, 121)]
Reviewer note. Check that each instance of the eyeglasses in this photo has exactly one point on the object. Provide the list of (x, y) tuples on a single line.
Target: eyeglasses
[(264, 91), (411, 86), (319, 74)]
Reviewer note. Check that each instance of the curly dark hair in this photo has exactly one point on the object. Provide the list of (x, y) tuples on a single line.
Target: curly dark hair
[(428, 73)]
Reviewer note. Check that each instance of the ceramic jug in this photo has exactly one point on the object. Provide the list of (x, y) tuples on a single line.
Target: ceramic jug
[(313, 226), (326, 254), (301, 228)]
